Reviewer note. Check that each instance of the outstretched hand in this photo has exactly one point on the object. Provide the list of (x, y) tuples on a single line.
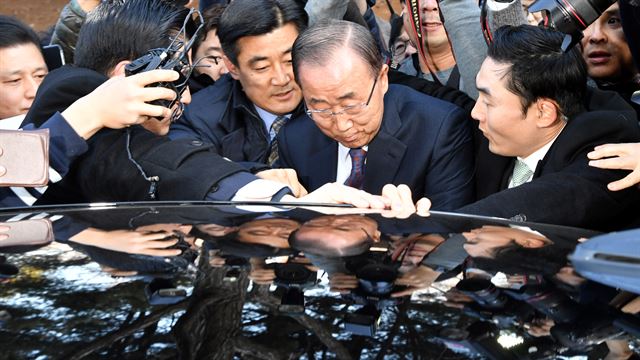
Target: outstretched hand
[(121, 101), (618, 156)]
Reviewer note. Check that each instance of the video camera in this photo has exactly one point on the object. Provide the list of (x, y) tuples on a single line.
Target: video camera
[(173, 57)]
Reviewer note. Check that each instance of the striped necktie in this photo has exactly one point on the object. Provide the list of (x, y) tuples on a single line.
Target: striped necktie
[(275, 127)]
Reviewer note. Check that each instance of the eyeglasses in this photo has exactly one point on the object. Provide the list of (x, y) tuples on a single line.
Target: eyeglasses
[(326, 114)]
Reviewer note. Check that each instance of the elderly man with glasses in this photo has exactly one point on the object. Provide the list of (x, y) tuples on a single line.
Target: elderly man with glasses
[(363, 132)]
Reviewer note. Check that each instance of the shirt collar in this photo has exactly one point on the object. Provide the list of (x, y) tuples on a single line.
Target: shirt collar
[(343, 151), (532, 160), (266, 116)]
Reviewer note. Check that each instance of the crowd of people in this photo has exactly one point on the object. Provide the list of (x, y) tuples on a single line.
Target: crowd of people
[(332, 112), (447, 106)]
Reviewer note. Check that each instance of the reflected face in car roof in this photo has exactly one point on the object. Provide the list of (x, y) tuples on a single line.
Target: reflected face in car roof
[(340, 230), (273, 232)]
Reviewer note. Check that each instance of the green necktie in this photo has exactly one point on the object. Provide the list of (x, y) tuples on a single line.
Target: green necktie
[(521, 173)]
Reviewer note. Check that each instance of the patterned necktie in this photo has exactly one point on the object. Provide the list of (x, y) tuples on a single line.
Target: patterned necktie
[(521, 173), (275, 127), (357, 168)]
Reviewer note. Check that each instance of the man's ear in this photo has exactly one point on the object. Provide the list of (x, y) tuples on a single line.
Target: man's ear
[(384, 79), (233, 70), (548, 113), (118, 70)]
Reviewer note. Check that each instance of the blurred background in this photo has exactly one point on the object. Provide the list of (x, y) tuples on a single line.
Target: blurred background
[(41, 14)]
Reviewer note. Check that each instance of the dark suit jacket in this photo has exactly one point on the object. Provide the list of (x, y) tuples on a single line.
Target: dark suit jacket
[(222, 115), (423, 142), (187, 169), (565, 190)]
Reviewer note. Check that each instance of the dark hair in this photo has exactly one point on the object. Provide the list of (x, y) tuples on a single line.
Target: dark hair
[(14, 32), (515, 259), (539, 68), (256, 17), (318, 44), (211, 18), (117, 31), (397, 25)]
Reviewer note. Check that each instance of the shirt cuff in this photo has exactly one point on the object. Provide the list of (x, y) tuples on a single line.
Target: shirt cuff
[(262, 190)]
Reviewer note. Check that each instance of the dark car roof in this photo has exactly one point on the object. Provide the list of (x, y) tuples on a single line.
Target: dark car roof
[(74, 283)]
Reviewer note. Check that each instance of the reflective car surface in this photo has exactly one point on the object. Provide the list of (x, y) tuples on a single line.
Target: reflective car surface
[(258, 281)]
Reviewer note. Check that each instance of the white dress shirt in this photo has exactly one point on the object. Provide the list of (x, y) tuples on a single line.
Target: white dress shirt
[(533, 159), (344, 163), (268, 119)]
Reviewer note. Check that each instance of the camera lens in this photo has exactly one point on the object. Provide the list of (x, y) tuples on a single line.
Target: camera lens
[(483, 292), (377, 279)]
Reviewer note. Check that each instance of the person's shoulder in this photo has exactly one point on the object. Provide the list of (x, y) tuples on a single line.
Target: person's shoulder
[(214, 93), (607, 114), (300, 123), (407, 97)]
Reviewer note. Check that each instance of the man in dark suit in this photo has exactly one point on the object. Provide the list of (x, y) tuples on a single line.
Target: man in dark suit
[(242, 112), (535, 108), (139, 162), (360, 131)]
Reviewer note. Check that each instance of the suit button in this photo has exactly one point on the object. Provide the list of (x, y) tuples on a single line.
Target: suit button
[(196, 143)]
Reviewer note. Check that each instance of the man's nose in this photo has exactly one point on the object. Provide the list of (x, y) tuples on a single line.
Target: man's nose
[(281, 75), (476, 112), (185, 98), (343, 122), (594, 33)]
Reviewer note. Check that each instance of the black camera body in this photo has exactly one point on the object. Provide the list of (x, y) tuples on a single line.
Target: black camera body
[(570, 17), (236, 265), (160, 59), (173, 57), (292, 279), (376, 274), (162, 291)]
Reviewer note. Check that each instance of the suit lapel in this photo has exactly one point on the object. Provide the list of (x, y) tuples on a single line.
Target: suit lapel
[(324, 166), (385, 152), (504, 182)]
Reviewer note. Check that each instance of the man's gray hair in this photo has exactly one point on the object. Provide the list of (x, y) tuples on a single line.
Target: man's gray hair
[(319, 43)]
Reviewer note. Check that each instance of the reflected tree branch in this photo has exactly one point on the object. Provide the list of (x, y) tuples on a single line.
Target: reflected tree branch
[(126, 331)]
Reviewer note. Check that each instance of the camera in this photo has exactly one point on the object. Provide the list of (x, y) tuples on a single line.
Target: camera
[(376, 274), (161, 291), (596, 325), (236, 265), (478, 339), (549, 301), (483, 292), (292, 279), (173, 57), (570, 17)]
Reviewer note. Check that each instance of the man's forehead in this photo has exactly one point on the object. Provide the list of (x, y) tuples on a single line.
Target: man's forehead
[(281, 41), (491, 74)]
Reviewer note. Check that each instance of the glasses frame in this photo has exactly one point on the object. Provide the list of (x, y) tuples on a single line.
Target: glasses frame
[(331, 114)]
